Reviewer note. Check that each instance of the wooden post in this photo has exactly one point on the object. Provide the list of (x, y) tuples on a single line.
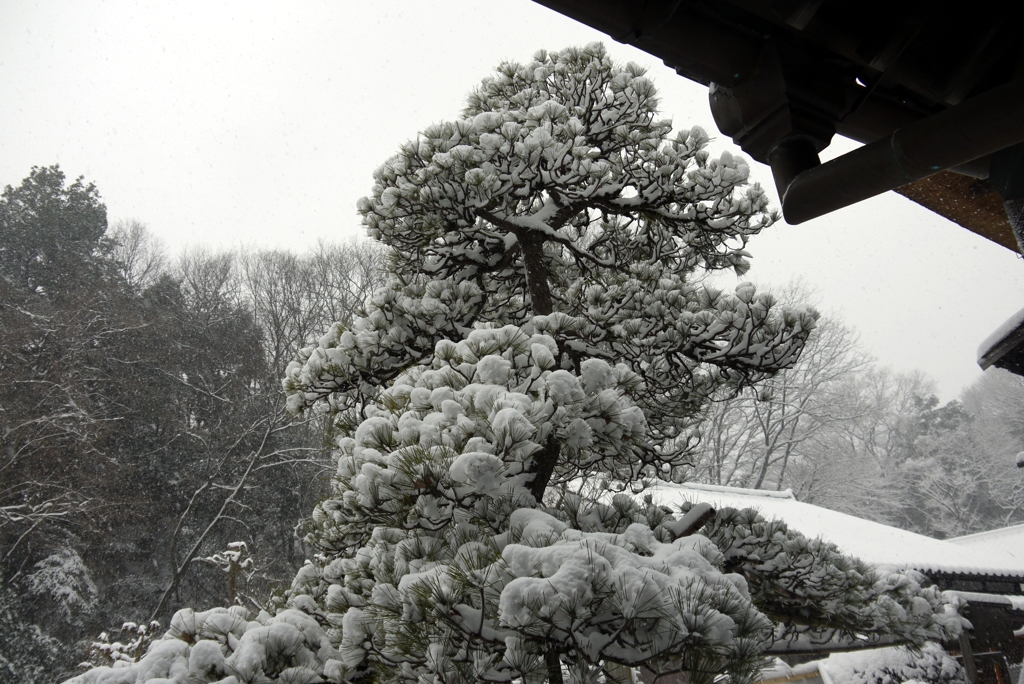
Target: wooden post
[(968, 655)]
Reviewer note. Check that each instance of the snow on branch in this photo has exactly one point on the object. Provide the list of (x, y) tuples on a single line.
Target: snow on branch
[(544, 322)]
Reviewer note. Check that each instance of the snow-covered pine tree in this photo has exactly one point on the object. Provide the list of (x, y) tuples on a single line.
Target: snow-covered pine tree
[(544, 322)]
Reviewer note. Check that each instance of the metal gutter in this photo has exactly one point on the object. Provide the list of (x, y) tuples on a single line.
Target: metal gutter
[(978, 127)]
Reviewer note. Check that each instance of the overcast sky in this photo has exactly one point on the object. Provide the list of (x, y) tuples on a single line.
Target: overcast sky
[(261, 123)]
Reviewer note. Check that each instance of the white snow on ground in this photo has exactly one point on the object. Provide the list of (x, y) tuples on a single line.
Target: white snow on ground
[(872, 542)]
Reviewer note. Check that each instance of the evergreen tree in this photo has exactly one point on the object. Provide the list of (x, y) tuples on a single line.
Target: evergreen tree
[(544, 322), (138, 417), (51, 233)]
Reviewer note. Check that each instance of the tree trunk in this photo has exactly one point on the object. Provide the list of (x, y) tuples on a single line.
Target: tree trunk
[(554, 664), (540, 300), (544, 462), (536, 272)]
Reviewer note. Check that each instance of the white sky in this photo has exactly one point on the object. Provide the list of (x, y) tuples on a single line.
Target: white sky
[(261, 123)]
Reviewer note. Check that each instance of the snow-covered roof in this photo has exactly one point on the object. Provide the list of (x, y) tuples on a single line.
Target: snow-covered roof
[(1012, 324), (891, 663), (872, 542), (1006, 543)]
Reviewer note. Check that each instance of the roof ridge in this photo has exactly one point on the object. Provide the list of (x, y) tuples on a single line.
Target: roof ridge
[(998, 532), (764, 493)]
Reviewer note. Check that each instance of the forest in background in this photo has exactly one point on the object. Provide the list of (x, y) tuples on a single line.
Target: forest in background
[(844, 433), (142, 423), (144, 429)]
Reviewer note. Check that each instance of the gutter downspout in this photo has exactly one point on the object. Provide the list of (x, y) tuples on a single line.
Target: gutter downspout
[(978, 127)]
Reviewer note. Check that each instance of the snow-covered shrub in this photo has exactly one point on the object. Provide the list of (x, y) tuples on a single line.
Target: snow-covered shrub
[(28, 655), (62, 582), (135, 640), (223, 645), (930, 665), (455, 571), (44, 608)]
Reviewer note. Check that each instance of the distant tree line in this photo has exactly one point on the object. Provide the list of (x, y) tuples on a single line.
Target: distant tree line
[(142, 427), (844, 433)]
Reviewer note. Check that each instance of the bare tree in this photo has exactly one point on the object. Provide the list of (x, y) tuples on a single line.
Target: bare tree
[(295, 298), (140, 256), (755, 439), (223, 494), (349, 273), (259, 470)]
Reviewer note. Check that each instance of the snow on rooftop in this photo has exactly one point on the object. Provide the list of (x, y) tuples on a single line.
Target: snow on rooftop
[(1002, 332), (890, 663), (1006, 543), (872, 542)]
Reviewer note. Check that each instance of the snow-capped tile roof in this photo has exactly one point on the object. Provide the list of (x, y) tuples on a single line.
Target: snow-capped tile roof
[(999, 334), (1006, 543), (872, 542)]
